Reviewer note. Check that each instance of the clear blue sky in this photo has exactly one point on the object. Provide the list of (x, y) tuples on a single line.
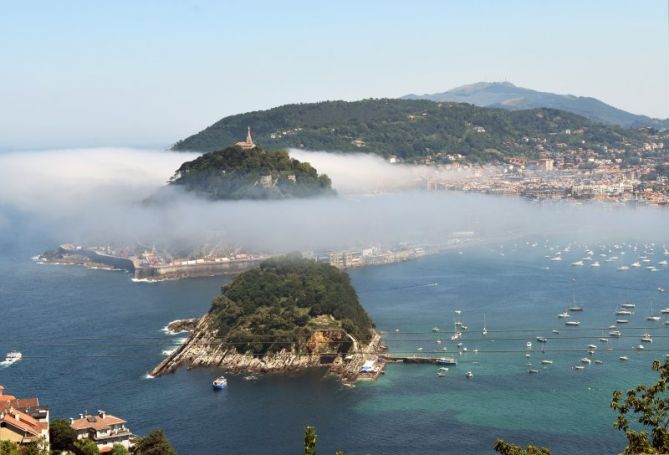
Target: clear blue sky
[(80, 73)]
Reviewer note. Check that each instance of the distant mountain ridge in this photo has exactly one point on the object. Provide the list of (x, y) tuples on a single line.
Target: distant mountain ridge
[(506, 95)]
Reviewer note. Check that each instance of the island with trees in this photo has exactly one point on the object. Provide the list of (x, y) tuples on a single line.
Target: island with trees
[(288, 314), (250, 172)]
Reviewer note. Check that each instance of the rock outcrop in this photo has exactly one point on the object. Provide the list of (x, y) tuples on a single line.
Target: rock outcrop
[(324, 349)]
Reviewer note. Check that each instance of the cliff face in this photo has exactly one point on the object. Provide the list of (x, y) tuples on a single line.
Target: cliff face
[(332, 349)]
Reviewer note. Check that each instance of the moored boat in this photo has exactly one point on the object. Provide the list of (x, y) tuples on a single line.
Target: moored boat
[(220, 383)]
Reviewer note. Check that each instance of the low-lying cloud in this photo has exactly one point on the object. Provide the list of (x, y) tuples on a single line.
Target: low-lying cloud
[(94, 196)]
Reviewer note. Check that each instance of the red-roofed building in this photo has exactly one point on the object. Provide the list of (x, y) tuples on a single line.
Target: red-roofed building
[(103, 429), (22, 420)]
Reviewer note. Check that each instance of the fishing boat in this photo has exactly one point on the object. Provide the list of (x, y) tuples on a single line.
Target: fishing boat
[(572, 323), (220, 383), (446, 361), (12, 357)]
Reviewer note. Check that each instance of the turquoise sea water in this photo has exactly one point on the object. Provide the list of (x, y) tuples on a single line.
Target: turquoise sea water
[(89, 337)]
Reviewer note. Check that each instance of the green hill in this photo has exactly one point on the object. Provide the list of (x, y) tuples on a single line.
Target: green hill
[(234, 173), (412, 129), (283, 302)]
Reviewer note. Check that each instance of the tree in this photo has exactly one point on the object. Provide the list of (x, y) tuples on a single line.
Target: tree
[(155, 443), (61, 435), (118, 449), (9, 448), (505, 448), (86, 447), (310, 440), (649, 405)]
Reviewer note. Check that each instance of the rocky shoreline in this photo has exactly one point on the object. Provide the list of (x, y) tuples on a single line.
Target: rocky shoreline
[(203, 349)]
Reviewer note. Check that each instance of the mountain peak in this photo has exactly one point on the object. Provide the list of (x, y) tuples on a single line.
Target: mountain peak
[(506, 95)]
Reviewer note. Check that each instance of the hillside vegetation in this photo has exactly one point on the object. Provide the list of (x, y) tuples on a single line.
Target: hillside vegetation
[(412, 129), (233, 173), (281, 303)]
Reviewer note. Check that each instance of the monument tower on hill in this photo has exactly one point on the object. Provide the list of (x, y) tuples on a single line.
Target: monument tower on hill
[(248, 144)]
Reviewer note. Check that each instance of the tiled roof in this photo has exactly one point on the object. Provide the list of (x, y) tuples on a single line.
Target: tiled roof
[(24, 422), (95, 422)]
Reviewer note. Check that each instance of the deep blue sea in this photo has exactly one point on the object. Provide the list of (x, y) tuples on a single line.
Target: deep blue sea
[(89, 337)]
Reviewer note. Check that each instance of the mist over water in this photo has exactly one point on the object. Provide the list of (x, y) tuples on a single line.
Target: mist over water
[(95, 196)]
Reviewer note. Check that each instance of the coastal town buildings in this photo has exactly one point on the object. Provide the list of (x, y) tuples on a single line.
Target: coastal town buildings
[(23, 420), (103, 429)]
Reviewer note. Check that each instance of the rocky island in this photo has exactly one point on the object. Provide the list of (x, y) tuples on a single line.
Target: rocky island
[(287, 315), (246, 171)]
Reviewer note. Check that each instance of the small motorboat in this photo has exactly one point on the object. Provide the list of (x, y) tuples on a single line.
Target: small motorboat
[(555, 331), (599, 362), (646, 338), (469, 375), (586, 360), (579, 368), (11, 358), (547, 362), (640, 347), (653, 318), (576, 308), (542, 339), (446, 361), (220, 383), (564, 315), (622, 321), (624, 358), (572, 323), (533, 371)]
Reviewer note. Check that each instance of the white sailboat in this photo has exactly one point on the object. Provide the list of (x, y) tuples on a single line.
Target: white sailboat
[(485, 329)]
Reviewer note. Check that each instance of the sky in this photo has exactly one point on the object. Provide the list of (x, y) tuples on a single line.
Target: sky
[(147, 73)]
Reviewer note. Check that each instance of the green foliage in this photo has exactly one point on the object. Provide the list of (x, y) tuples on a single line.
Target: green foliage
[(233, 173), (268, 308), (9, 448), (86, 447), (649, 404), (505, 448), (310, 441), (61, 435), (155, 443), (118, 449), (411, 129)]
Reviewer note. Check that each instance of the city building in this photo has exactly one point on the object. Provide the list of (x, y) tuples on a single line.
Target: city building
[(23, 420), (103, 429)]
